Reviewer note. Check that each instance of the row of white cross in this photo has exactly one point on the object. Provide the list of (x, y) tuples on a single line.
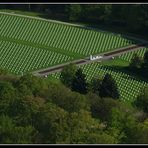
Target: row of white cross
[(59, 36), (128, 56), (16, 57)]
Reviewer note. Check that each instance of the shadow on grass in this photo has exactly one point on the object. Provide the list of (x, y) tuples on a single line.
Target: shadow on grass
[(138, 75)]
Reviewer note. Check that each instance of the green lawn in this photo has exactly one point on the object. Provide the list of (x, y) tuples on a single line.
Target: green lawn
[(116, 62)]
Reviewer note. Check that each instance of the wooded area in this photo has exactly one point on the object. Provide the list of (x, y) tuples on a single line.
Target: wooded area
[(38, 110), (130, 17)]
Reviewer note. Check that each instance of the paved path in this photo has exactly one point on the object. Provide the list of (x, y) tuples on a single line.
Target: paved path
[(106, 56)]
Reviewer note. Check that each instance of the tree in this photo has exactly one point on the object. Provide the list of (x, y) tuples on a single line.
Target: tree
[(109, 88), (51, 123), (3, 71), (67, 99), (30, 82), (129, 130), (101, 108), (74, 12), (25, 109), (79, 83), (125, 123), (134, 20), (68, 74), (23, 90), (99, 138), (7, 91), (146, 57), (12, 134), (85, 129), (7, 95), (142, 131), (144, 67), (135, 62), (95, 85), (142, 100), (107, 12)]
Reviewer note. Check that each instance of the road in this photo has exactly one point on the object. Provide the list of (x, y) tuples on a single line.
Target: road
[(106, 56)]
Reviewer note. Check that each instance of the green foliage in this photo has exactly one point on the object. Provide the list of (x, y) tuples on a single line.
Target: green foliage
[(99, 138), (101, 108), (144, 66), (74, 12), (3, 71), (115, 15), (7, 95), (146, 57), (25, 109), (129, 128), (79, 83), (7, 91), (142, 133), (48, 112), (134, 20), (136, 62), (95, 85), (67, 75), (30, 82), (12, 134), (109, 88), (80, 125), (51, 124), (142, 100), (66, 99)]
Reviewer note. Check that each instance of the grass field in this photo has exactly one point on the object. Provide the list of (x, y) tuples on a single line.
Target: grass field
[(56, 38)]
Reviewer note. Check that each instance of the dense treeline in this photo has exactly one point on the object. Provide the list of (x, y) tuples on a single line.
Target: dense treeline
[(38, 110), (139, 65), (132, 18)]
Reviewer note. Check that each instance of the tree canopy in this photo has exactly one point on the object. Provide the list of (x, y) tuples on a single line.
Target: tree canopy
[(49, 112)]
